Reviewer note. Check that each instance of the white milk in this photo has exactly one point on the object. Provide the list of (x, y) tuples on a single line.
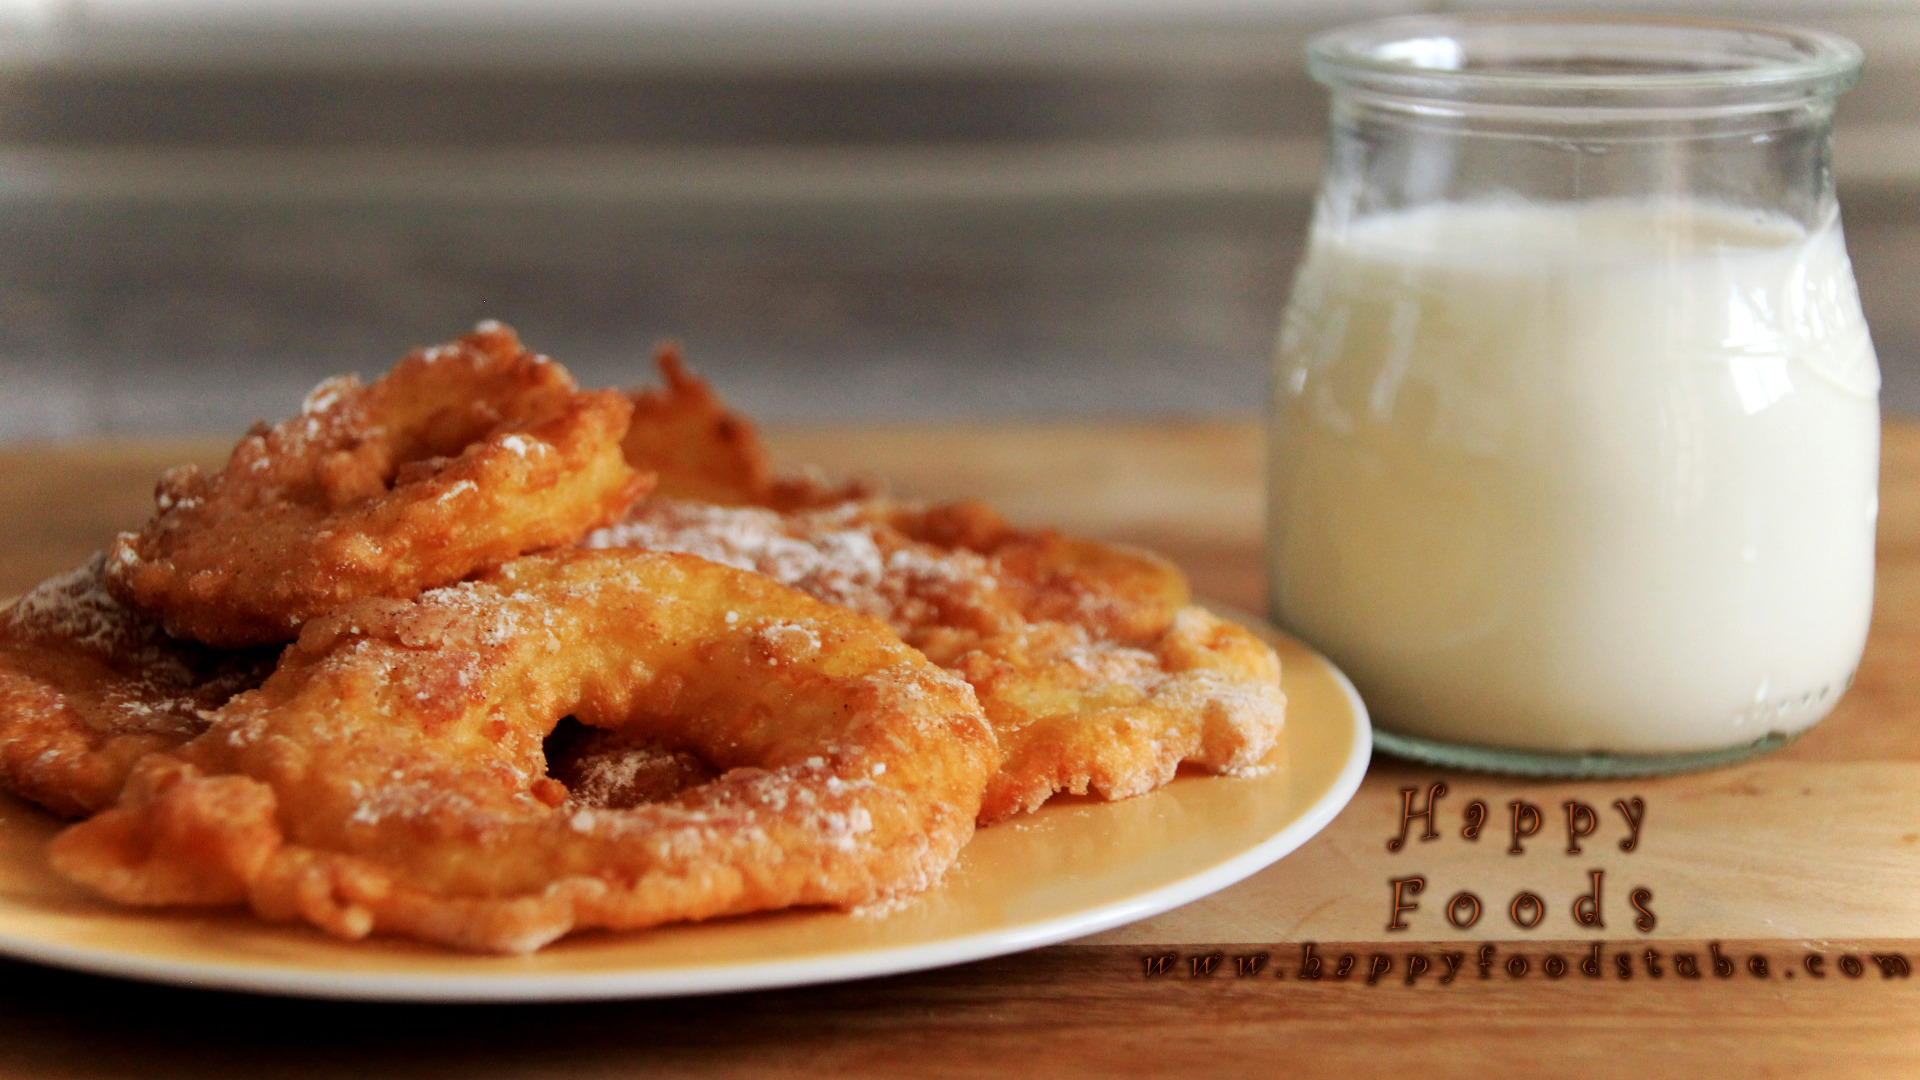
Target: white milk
[(1579, 477)]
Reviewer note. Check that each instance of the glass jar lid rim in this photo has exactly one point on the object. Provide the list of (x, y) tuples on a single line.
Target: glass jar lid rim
[(1550, 59)]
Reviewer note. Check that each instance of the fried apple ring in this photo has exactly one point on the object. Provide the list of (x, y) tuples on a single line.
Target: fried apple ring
[(1096, 673), (701, 449), (87, 687), (464, 455), (389, 776)]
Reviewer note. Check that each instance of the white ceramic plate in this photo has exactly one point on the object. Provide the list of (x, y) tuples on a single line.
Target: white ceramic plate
[(1074, 868)]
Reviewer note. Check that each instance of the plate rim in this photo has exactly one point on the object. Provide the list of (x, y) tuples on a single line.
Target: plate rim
[(645, 983)]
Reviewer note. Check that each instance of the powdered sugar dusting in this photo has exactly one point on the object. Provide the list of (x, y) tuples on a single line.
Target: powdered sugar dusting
[(608, 771), (76, 607), (788, 641), (329, 393), (844, 555), (156, 684), (1048, 630), (841, 564)]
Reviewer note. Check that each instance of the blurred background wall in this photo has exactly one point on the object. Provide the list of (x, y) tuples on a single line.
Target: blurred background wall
[(873, 209)]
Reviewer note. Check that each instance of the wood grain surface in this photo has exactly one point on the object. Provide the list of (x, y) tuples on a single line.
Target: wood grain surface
[(1813, 851)]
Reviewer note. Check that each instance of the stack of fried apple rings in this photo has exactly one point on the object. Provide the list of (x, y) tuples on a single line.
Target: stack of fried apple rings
[(475, 656)]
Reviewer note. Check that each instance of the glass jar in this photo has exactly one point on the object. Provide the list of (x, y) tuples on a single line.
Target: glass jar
[(1575, 429)]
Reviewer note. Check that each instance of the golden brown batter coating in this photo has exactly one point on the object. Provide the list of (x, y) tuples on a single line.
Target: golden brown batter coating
[(701, 449), (87, 687), (390, 775), (1097, 675), (464, 455)]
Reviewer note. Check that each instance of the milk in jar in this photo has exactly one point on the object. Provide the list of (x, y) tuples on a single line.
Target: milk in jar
[(1578, 476)]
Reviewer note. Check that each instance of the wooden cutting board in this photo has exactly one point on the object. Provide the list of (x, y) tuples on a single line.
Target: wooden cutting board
[(1808, 858)]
